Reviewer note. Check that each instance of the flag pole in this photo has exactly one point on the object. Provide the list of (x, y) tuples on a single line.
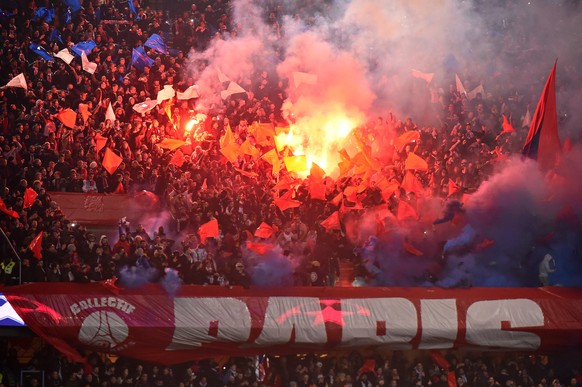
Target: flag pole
[(17, 256)]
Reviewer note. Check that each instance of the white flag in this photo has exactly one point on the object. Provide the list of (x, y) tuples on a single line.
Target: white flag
[(110, 114), (526, 119), (18, 81), (145, 106), (419, 74), (65, 55), (460, 87), (189, 93), (233, 88), (307, 78), (478, 90), (221, 77), (167, 92), (89, 67)]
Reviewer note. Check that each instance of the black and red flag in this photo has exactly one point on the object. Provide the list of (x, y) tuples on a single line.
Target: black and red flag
[(542, 142)]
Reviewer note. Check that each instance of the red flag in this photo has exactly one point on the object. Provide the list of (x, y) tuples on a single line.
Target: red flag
[(316, 172), (178, 158), (542, 142), (29, 197), (100, 142), (8, 212), (119, 189), (411, 249), (317, 191), (260, 248), (285, 204), (368, 366), (36, 246), (208, 230), (264, 231), (111, 161), (405, 211), (411, 184), (506, 126), (405, 138), (453, 187), (337, 199), (415, 162), (68, 117), (332, 222), (84, 110)]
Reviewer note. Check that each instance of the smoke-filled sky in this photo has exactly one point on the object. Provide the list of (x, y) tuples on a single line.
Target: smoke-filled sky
[(362, 52)]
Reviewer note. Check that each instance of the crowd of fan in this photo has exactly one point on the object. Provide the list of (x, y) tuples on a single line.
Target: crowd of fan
[(398, 369), (38, 152)]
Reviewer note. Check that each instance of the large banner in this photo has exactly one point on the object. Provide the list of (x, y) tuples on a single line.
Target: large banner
[(105, 209), (149, 324)]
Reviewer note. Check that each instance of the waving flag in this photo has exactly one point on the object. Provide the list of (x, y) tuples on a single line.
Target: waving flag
[(332, 222), (111, 161), (460, 88), (427, 77), (29, 197), (132, 9), (65, 56), (18, 81), (167, 92), (405, 211), (296, 163), (85, 47), (8, 212), (40, 51), (145, 106), (100, 142), (46, 14), (178, 159), (171, 143), (415, 162), (68, 117), (264, 231), (208, 230), (189, 93), (285, 204), (55, 36), (73, 5), (110, 114), (478, 90), (88, 66), (233, 88), (36, 246), (542, 142), (139, 59), (85, 113), (156, 43)]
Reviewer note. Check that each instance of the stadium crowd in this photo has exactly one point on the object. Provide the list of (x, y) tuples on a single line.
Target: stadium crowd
[(39, 152), (398, 369)]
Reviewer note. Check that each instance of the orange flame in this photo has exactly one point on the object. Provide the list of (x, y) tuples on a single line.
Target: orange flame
[(319, 138)]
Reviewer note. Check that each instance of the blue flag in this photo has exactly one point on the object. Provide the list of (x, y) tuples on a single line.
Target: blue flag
[(139, 59), (156, 42), (43, 13), (5, 14), (67, 16), (74, 5), (55, 35), (132, 9), (85, 47), (41, 51)]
